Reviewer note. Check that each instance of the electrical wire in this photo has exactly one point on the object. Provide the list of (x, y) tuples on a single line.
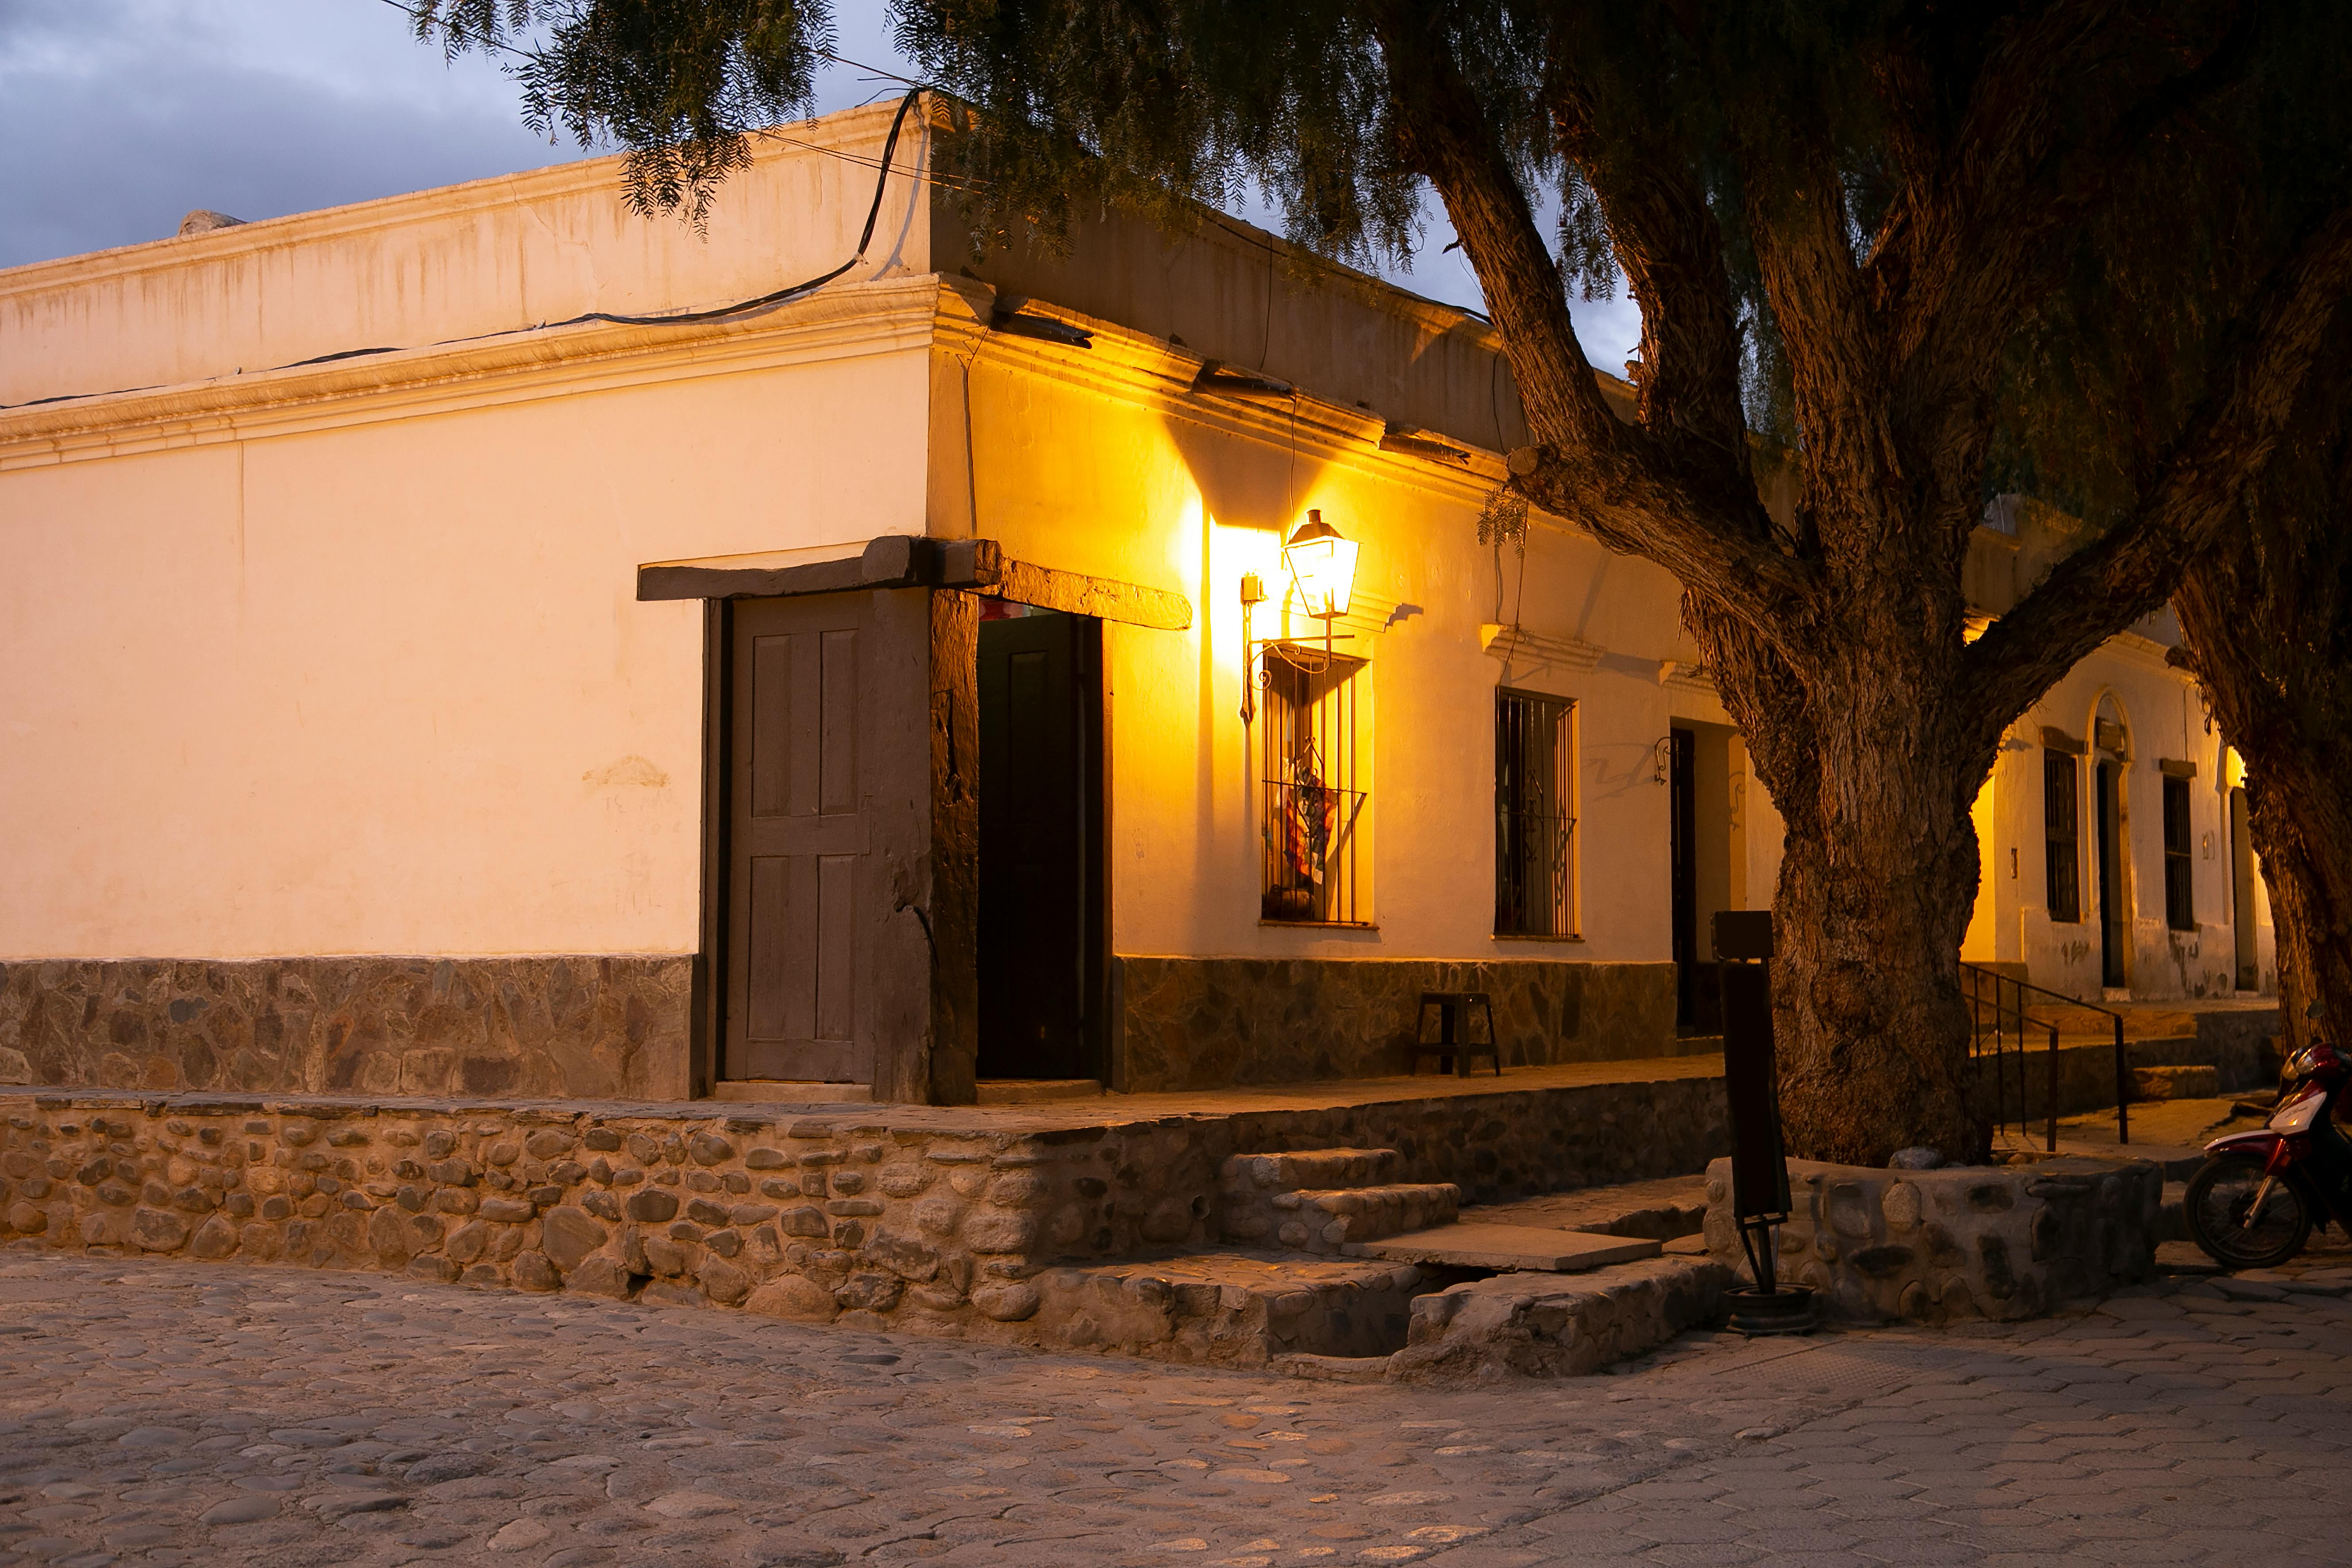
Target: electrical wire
[(760, 304)]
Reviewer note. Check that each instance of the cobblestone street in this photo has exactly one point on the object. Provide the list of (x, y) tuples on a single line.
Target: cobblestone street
[(182, 1413)]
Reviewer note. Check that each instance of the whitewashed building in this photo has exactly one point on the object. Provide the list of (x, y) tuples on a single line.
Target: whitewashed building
[(444, 649)]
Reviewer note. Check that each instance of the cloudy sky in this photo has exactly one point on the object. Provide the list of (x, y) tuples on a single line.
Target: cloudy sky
[(120, 116)]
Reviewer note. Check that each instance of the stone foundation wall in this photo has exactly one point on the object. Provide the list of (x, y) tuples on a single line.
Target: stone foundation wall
[(618, 1027), (1975, 1241), (1213, 1023), (590, 1026), (928, 1227)]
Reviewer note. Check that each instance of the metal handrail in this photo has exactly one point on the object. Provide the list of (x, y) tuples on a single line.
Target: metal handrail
[(1974, 977)]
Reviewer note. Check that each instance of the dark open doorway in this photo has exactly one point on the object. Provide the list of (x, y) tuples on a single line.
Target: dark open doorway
[(2115, 926), (1697, 1004), (2242, 894), (1043, 947)]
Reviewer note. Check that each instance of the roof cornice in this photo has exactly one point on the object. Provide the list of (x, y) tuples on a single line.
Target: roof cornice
[(849, 128), (884, 316)]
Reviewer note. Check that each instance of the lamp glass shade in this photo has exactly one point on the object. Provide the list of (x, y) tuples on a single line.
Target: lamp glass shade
[(1323, 564)]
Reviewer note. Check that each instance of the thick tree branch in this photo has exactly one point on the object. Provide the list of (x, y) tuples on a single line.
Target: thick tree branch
[(1614, 478), (1981, 198), (2133, 567), (1852, 461), (1979, 225), (1666, 239)]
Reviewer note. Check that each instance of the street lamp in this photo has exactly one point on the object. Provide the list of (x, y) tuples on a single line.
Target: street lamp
[(1323, 566)]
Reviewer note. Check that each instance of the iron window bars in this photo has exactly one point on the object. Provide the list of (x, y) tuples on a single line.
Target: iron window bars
[(1312, 813), (1535, 820), (2179, 883), (2060, 838)]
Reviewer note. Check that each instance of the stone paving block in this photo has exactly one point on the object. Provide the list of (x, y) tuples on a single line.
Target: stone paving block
[(670, 1393), (1708, 1554)]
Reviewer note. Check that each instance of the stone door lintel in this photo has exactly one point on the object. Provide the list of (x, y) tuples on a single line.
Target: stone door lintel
[(908, 560)]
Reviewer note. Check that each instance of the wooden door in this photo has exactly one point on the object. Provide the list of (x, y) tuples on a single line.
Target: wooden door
[(1040, 804), (800, 836)]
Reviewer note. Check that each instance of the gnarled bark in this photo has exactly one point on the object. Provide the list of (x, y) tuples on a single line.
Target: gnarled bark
[(1838, 642), (1875, 778), (2266, 624)]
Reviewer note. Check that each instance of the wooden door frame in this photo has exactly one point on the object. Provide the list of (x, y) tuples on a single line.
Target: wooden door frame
[(2119, 898), (1102, 1031), (708, 1005), (2245, 955), (1682, 828)]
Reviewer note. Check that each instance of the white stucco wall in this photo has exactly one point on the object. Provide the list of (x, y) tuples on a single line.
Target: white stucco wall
[(1159, 487), (383, 685), (2165, 720)]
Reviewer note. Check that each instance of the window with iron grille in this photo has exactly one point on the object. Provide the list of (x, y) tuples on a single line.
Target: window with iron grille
[(1311, 822), (1535, 814), (2180, 887), (2062, 835)]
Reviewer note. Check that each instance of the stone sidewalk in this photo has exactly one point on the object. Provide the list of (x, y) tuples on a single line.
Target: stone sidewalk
[(165, 1413)]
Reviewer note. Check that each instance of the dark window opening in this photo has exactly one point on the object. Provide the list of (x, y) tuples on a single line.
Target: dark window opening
[(2062, 836), (2179, 883), (1535, 821)]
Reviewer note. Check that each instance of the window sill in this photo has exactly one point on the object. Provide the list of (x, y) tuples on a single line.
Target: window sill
[(1322, 925), (1531, 936)]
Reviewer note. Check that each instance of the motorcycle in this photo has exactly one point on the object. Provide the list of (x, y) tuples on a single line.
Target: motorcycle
[(2254, 1202)]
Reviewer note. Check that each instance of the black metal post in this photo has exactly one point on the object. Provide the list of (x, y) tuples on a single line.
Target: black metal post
[(2123, 1084), (1760, 1166), (2052, 1107)]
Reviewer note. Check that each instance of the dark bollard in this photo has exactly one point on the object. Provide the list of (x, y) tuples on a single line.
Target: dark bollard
[(1759, 1166)]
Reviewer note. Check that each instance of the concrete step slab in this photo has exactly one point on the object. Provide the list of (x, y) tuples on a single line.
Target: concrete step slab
[(1508, 1247), (1036, 1090), (1661, 1210)]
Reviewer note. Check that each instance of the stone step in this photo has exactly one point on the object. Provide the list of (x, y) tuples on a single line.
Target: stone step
[(1304, 1170), (2198, 1081), (1544, 1325), (1324, 1222), (1233, 1309), (1507, 1247)]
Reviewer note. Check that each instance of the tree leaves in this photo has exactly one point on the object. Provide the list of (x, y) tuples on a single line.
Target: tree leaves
[(682, 87)]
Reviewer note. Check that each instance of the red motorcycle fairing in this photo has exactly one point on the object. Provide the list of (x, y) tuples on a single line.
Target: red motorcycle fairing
[(2262, 1140)]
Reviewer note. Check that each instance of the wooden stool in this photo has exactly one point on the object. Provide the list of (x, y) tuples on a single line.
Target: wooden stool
[(1453, 1048)]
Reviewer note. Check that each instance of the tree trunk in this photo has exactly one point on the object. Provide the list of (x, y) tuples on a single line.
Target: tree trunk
[(1837, 635), (2265, 621), (1878, 877)]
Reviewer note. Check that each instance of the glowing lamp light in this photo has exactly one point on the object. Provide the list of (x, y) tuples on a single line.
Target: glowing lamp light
[(1322, 564)]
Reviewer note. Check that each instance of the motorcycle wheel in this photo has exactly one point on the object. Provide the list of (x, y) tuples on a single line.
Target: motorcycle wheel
[(2221, 1194)]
